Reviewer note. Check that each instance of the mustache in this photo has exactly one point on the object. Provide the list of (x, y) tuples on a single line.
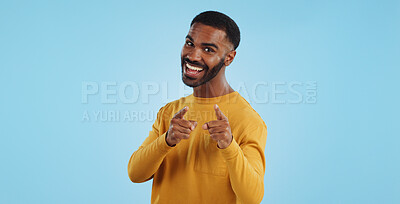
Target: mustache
[(195, 63)]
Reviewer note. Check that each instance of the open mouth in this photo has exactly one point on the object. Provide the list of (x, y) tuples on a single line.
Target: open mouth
[(192, 71)]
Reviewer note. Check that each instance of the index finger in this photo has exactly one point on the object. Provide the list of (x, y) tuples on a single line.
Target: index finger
[(181, 113), (218, 112)]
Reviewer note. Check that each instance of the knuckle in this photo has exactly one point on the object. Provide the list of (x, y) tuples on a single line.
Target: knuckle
[(182, 136), (186, 123)]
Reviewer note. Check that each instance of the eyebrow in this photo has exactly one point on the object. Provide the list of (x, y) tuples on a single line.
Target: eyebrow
[(203, 44)]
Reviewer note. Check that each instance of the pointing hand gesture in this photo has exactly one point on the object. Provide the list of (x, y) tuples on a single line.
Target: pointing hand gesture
[(219, 129), (179, 128)]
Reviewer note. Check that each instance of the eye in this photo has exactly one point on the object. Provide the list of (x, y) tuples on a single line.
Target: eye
[(188, 43), (207, 49)]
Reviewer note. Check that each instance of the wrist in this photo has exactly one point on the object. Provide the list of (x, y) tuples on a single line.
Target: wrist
[(222, 144), (166, 140)]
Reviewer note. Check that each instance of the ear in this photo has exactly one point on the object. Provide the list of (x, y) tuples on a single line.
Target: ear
[(229, 57)]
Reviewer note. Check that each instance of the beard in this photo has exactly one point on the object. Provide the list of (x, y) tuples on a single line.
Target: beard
[(208, 73)]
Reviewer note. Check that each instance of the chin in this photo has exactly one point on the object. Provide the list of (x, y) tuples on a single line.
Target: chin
[(190, 83)]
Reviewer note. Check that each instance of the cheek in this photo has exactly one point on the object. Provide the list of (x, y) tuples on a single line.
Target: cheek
[(212, 61), (183, 53)]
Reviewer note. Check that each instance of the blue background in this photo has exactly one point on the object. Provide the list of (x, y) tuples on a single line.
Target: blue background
[(344, 148)]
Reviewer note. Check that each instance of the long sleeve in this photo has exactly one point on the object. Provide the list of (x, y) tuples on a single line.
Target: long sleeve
[(195, 169), (145, 161), (246, 165)]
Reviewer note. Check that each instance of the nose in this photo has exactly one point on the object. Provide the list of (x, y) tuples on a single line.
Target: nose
[(194, 55)]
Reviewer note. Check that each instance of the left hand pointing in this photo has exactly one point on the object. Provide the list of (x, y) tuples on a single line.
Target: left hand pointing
[(219, 129)]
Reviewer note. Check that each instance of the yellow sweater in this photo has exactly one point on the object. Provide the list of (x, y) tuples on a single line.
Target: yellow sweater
[(196, 170)]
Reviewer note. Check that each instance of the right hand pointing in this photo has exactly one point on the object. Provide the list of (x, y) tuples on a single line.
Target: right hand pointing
[(179, 128)]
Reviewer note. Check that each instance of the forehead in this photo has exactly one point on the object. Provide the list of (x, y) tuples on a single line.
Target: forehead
[(206, 34)]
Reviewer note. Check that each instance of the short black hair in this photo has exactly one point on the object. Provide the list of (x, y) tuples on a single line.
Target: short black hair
[(221, 21)]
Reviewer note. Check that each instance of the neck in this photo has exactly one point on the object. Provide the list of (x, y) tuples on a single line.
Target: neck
[(218, 86)]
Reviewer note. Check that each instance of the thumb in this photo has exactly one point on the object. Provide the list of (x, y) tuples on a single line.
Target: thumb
[(205, 126), (194, 124)]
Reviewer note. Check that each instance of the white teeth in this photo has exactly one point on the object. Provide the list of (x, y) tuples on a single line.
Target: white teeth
[(193, 68)]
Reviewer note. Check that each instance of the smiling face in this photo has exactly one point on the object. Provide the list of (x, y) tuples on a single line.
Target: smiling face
[(204, 54)]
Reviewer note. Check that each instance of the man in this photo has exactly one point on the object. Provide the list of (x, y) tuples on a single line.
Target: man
[(221, 160)]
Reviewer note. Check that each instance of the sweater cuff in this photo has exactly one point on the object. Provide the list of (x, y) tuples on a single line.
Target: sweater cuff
[(231, 151), (162, 145)]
